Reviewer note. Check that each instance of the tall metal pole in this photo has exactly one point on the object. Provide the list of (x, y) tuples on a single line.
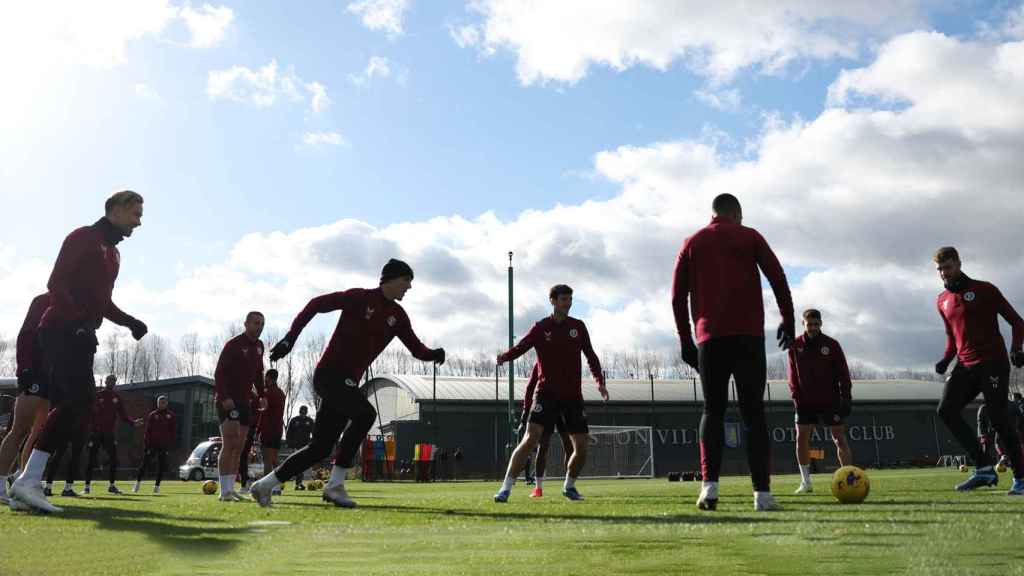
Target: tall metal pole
[(511, 365)]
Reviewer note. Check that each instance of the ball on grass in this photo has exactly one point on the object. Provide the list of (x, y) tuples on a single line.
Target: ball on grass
[(210, 487), (963, 467), (850, 485)]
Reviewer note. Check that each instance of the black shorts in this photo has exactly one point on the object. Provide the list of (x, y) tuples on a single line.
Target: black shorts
[(814, 416), (69, 356), (273, 442), (239, 414), (102, 440), (551, 413)]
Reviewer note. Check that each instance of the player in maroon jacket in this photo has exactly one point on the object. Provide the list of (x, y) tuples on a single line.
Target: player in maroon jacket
[(107, 409), (970, 309), (370, 319), (271, 421), (80, 288), (545, 440), (238, 376), (718, 269), (161, 426), (33, 402), (558, 339), (819, 381)]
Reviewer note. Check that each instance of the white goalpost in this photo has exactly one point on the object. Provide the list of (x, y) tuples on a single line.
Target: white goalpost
[(613, 452)]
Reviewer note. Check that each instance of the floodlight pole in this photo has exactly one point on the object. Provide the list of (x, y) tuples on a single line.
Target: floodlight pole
[(511, 365)]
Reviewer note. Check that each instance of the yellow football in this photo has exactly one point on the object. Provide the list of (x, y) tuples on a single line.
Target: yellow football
[(210, 487), (1000, 467), (963, 467), (850, 485)]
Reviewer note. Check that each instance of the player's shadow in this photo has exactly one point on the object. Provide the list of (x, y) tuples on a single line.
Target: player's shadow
[(709, 518), (199, 535)]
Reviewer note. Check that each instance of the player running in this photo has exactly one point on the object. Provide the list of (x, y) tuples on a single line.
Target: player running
[(106, 410), (718, 266), (819, 381), (558, 340), (238, 376), (970, 309), (370, 319), (271, 422), (80, 288), (32, 403), (161, 426), (545, 440), (300, 430)]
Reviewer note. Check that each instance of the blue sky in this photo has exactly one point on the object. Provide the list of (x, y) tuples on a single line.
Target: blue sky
[(450, 131)]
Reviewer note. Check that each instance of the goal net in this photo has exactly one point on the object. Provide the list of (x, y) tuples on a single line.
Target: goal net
[(613, 452)]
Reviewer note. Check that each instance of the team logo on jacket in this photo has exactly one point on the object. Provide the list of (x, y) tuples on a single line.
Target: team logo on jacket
[(969, 296), (825, 351), (573, 333), (392, 321), (350, 383), (233, 414), (369, 312), (33, 389), (537, 409)]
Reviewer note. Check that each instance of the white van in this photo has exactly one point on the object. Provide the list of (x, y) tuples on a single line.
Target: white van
[(202, 462)]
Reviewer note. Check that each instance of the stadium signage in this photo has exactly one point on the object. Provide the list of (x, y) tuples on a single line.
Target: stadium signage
[(782, 434)]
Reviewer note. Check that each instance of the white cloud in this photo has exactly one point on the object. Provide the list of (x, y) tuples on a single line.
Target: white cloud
[(383, 15), (725, 100), (316, 139), (207, 25), (560, 41), (264, 86), (376, 67)]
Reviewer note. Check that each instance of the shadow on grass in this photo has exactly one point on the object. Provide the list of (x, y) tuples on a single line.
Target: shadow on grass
[(198, 536)]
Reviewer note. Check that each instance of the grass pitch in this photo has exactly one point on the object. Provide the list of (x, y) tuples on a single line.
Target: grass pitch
[(912, 523)]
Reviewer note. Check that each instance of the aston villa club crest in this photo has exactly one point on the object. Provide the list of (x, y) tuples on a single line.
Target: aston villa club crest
[(969, 296), (573, 333), (825, 351), (392, 321)]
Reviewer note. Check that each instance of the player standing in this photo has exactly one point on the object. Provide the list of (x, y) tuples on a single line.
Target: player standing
[(161, 426), (718, 268), (271, 421), (106, 410), (819, 381), (300, 430), (370, 319), (558, 339)]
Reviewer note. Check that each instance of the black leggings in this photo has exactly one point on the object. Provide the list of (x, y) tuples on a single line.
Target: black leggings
[(991, 380), (69, 361), (344, 411), (109, 445), (161, 463), (741, 358), (243, 459), (76, 444)]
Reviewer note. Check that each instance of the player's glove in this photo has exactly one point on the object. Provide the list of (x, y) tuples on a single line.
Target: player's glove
[(1017, 358), (438, 356), (845, 406), (942, 365), (138, 328), (784, 335), (689, 352), (281, 349), (25, 377)]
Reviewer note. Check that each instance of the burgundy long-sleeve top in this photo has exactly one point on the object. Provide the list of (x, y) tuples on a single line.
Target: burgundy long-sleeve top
[(106, 409), (970, 315), (718, 266), (818, 373), (271, 422), (160, 428), (82, 281), (27, 349), (558, 346), (239, 372), (368, 323)]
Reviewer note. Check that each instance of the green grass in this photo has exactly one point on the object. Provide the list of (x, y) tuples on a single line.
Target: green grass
[(912, 523)]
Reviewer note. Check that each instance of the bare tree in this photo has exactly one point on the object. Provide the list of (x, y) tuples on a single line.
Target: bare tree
[(7, 365), (158, 355), (190, 355)]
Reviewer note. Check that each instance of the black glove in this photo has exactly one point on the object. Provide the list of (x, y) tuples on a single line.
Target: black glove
[(138, 328), (438, 356), (1017, 358), (281, 349), (690, 355), (25, 377), (784, 335), (941, 365), (845, 406)]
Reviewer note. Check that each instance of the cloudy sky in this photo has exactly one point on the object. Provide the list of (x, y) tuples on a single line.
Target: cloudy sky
[(287, 149)]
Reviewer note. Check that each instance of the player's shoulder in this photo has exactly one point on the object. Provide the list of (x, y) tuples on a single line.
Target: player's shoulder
[(576, 323), (830, 341), (800, 341)]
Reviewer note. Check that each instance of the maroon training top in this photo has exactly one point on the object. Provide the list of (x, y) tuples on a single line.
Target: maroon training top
[(972, 327), (719, 266), (107, 407), (239, 371), (558, 346), (28, 350), (271, 422), (82, 280), (818, 373), (368, 323), (160, 428), (531, 388)]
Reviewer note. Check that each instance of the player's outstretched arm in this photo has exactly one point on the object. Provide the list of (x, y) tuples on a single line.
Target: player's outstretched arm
[(121, 318), (416, 347), (522, 347), (318, 305)]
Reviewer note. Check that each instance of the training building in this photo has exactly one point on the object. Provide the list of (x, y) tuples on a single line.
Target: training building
[(893, 422), (189, 397)]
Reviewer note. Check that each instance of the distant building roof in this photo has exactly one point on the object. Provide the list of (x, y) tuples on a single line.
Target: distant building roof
[(12, 383), (455, 389)]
